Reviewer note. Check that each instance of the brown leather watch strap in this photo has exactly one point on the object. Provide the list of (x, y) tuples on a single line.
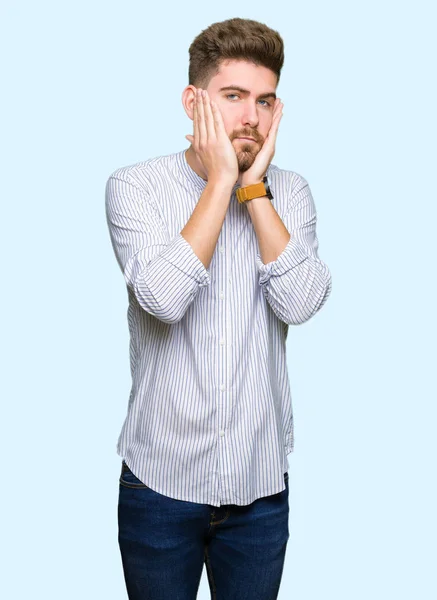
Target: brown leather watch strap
[(249, 192)]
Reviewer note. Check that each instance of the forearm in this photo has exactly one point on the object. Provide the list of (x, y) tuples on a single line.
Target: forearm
[(270, 231), (296, 283), (203, 228), (164, 273)]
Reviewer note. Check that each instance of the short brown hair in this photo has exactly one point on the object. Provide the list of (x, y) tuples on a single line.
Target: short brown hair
[(234, 39)]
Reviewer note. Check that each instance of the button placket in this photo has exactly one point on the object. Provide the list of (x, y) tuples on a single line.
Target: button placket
[(223, 403)]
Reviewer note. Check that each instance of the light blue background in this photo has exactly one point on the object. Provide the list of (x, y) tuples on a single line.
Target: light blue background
[(91, 86)]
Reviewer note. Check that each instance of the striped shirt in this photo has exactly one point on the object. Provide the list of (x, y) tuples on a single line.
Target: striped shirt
[(209, 416)]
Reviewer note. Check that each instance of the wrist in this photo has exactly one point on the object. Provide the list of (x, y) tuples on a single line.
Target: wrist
[(248, 182), (250, 179), (250, 188), (221, 182)]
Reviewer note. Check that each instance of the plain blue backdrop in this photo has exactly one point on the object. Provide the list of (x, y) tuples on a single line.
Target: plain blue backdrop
[(92, 86)]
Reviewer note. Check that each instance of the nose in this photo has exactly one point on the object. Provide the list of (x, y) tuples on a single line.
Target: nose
[(250, 115)]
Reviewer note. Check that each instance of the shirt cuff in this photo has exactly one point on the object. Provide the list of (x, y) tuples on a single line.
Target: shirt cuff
[(182, 256), (292, 255)]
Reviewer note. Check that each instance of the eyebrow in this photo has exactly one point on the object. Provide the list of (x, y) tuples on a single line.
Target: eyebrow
[(243, 91)]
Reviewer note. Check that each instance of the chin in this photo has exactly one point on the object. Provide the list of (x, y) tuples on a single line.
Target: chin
[(245, 163), (245, 160)]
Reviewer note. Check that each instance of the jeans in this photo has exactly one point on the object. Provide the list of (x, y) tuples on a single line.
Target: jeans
[(164, 543)]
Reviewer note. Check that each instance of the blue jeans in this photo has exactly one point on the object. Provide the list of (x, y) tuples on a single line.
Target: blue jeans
[(164, 543)]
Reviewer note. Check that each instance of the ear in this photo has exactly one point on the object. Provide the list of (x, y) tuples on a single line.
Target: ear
[(188, 100)]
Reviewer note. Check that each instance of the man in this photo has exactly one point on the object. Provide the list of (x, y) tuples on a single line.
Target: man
[(218, 249)]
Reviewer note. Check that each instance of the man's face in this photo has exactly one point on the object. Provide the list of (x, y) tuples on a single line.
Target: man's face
[(245, 113)]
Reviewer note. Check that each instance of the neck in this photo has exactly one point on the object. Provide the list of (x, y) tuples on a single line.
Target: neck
[(195, 164)]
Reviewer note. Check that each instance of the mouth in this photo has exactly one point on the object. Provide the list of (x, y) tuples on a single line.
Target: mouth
[(247, 139)]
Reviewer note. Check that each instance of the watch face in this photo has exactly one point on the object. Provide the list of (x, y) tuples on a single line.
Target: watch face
[(268, 191)]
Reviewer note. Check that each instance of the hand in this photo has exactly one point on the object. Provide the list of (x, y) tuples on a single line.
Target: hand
[(211, 142), (264, 157)]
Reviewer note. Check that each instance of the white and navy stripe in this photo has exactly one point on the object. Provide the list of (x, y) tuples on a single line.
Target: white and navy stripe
[(209, 417)]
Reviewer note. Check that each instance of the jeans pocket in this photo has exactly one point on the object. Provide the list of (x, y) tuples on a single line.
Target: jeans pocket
[(128, 479)]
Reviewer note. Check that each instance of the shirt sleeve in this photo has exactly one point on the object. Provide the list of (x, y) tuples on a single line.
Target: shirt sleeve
[(164, 272), (297, 284)]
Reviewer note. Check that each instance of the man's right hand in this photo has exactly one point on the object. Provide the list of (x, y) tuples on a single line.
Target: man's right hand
[(211, 142)]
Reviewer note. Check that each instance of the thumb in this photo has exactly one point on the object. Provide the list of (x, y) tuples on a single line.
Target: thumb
[(190, 138)]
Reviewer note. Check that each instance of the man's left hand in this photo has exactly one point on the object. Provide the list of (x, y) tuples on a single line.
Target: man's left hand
[(265, 156)]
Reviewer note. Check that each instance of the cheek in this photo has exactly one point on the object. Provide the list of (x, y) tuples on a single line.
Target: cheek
[(229, 117), (265, 125), (229, 125)]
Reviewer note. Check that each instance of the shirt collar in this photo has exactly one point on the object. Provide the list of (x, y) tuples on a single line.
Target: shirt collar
[(191, 175), (188, 172)]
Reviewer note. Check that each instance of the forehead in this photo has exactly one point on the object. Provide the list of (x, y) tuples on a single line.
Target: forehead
[(256, 78)]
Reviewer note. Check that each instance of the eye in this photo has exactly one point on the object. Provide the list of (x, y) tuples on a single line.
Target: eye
[(266, 103)]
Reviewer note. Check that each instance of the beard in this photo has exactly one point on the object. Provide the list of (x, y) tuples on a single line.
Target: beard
[(246, 154)]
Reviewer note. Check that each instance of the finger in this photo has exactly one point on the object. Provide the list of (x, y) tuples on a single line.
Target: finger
[(209, 118), (274, 129), (276, 106), (277, 114), (271, 136), (279, 107), (218, 119), (203, 138), (195, 122)]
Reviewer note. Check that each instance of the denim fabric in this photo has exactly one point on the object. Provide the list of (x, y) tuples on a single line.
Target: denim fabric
[(165, 542)]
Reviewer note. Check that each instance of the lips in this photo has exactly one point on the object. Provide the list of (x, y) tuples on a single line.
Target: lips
[(246, 138)]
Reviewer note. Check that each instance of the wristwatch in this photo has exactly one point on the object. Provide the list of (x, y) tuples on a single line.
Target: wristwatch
[(254, 191)]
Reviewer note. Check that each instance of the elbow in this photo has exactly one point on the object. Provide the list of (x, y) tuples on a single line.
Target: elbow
[(314, 301), (163, 315), (304, 303), (166, 307), (171, 318), (297, 317)]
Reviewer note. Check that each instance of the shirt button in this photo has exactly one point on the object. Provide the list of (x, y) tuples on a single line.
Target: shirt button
[(222, 295), (222, 386), (222, 433), (222, 249), (222, 341)]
